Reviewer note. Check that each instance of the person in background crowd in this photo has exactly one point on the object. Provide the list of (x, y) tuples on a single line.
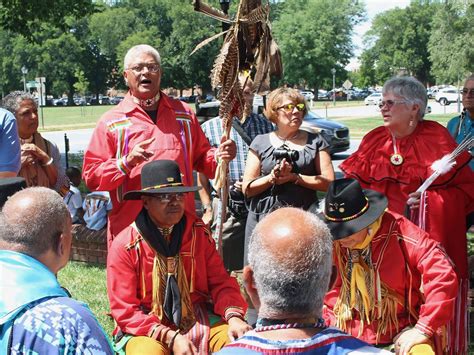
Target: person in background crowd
[(396, 287), (167, 286), (242, 133), (40, 158), (147, 125), (288, 166), (96, 206), (73, 198), (463, 125), (9, 145), (288, 275), (396, 158), (37, 316)]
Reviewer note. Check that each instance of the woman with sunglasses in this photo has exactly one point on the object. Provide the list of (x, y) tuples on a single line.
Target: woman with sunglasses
[(288, 166), (396, 158)]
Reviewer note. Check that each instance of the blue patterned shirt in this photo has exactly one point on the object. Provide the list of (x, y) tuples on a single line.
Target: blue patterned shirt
[(59, 325), (254, 125)]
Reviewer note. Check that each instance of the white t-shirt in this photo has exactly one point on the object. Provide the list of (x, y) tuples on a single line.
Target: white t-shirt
[(73, 201)]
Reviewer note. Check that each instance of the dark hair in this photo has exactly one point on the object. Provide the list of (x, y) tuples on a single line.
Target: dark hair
[(73, 172)]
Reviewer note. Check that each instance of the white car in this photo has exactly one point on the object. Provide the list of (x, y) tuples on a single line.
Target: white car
[(447, 96), (308, 95), (373, 99)]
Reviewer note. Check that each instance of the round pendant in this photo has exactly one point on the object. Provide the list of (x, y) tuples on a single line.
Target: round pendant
[(396, 159)]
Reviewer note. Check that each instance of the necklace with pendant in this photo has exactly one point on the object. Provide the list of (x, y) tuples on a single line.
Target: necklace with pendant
[(396, 158), (148, 102)]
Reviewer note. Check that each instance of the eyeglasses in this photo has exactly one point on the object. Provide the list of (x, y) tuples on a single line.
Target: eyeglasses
[(466, 91), (166, 198), (290, 107), (390, 103), (152, 67)]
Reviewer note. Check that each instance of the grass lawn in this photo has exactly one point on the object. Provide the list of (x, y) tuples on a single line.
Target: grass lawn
[(86, 282), (70, 117), (358, 127)]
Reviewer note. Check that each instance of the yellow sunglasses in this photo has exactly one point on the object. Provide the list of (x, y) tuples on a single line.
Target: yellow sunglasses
[(290, 107)]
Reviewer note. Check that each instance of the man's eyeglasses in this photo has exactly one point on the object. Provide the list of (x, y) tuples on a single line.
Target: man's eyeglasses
[(390, 103), (152, 67), (290, 107), (166, 198), (466, 91)]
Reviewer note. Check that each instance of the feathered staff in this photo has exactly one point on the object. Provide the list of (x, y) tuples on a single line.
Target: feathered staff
[(440, 167), (248, 47)]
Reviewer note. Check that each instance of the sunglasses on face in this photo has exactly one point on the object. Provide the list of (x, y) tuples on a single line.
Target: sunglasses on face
[(290, 107), (466, 91), (166, 198), (390, 103), (151, 67)]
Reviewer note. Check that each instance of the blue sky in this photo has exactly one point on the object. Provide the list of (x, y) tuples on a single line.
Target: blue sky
[(373, 7)]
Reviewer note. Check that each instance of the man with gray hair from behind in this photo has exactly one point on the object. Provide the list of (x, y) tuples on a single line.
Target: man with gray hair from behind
[(290, 258), (37, 316)]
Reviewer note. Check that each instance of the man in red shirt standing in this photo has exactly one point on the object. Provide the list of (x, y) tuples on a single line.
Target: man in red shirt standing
[(147, 125)]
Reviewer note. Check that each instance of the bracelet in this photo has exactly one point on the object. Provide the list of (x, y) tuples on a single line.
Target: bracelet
[(50, 161), (170, 345), (298, 179)]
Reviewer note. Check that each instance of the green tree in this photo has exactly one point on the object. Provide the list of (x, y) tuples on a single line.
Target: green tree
[(25, 16), (400, 39), (315, 36), (451, 44)]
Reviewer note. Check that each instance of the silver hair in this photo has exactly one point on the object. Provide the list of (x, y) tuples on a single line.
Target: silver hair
[(13, 100), (469, 78), (296, 283), (410, 89), (139, 49), (36, 227)]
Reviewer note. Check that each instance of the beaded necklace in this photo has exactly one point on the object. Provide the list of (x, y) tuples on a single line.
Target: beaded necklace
[(265, 324)]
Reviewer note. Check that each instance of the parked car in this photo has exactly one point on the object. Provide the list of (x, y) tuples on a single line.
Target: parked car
[(373, 99), (308, 95), (116, 100), (62, 101), (322, 94), (79, 101), (336, 132), (447, 96), (189, 99)]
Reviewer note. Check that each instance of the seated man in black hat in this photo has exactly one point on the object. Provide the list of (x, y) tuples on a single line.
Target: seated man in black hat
[(395, 285), (163, 272)]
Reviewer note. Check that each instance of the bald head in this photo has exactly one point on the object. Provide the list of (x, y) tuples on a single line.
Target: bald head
[(290, 254), (32, 221)]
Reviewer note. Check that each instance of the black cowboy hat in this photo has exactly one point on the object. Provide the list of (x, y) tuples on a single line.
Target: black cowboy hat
[(8, 186), (160, 177), (348, 208)]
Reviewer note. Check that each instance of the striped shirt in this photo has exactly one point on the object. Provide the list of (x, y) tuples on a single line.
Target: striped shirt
[(254, 125), (330, 341)]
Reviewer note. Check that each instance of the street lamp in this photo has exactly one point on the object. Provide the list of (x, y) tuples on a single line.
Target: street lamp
[(24, 71), (225, 4), (333, 71)]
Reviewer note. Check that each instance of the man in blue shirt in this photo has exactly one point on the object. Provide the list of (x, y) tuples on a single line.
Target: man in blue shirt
[(233, 229), (463, 125), (37, 316), (9, 145)]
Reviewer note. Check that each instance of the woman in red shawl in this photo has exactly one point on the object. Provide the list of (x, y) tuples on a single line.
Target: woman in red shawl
[(396, 158)]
